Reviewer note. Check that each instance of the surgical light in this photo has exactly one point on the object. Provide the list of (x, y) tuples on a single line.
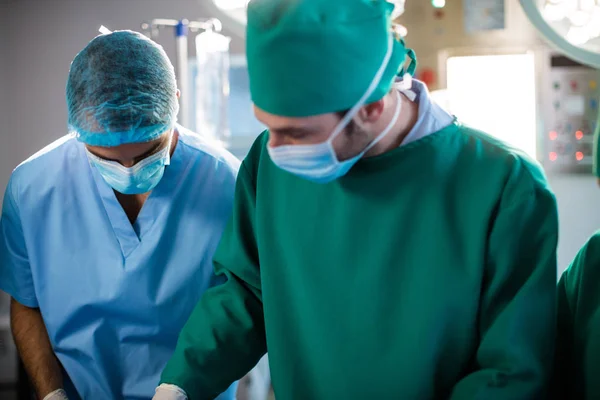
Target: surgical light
[(579, 17)]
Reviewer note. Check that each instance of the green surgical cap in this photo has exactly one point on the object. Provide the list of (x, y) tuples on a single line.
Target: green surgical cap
[(312, 57)]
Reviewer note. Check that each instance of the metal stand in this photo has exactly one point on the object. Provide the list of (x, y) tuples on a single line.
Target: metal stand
[(182, 28)]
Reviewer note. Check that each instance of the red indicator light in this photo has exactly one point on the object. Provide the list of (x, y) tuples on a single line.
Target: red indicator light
[(579, 156), (553, 135), (574, 85), (553, 156), (579, 135)]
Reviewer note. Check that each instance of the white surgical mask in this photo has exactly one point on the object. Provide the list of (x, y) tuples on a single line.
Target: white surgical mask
[(319, 162), (138, 179)]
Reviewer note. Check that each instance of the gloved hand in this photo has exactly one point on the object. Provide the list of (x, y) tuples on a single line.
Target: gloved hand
[(58, 394), (169, 392)]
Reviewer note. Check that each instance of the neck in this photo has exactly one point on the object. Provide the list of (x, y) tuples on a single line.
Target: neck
[(406, 121), (174, 141)]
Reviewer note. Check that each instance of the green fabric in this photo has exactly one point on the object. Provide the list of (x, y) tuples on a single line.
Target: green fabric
[(314, 57), (427, 272), (597, 148), (578, 344)]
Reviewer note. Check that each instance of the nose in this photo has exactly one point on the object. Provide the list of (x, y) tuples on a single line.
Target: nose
[(276, 140), (273, 141), (127, 163)]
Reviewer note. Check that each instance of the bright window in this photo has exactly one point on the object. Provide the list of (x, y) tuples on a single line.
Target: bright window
[(495, 94)]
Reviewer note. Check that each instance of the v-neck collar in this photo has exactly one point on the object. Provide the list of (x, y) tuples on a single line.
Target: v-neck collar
[(130, 235)]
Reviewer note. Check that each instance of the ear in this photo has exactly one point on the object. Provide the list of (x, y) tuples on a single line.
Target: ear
[(372, 112), (178, 93)]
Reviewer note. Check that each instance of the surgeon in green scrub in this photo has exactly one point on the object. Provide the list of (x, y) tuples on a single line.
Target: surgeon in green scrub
[(379, 249), (578, 342), (577, 374)]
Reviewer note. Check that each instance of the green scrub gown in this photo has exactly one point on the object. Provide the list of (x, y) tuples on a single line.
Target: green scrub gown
[(578, 346), (428, 272), (597, 148)]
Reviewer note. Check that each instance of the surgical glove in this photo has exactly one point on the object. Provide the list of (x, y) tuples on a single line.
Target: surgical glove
[(169, 392), (58, 394)]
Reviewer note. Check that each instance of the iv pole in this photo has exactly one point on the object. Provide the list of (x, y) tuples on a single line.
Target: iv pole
[(182, 28)]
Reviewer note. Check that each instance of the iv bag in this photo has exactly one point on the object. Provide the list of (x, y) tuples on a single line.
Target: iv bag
[(212, 85)]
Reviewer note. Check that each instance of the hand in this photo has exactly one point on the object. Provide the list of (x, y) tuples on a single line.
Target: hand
[(169, 392), (59, 394)]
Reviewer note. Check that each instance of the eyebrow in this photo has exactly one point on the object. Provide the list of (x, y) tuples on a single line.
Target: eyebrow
[(136, 159), (290, 131), (151, 151)]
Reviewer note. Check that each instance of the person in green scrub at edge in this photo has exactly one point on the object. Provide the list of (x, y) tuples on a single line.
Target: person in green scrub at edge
[(378, 248), (577, 374)]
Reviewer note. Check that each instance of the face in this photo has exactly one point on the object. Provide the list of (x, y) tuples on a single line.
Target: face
[(351, 141), (130, 154)]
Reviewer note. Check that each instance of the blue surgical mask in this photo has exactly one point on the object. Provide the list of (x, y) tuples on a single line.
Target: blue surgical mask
[(319, 162), (138, 179)]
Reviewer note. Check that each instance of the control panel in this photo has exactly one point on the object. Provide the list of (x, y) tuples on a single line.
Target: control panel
[(570, 113)]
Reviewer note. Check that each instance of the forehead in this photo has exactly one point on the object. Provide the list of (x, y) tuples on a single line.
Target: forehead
[(276, 122), (126, 151)]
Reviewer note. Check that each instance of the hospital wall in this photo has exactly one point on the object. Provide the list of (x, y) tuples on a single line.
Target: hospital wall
[(41, 37), (5, 130), (578, 195), (5, 121)]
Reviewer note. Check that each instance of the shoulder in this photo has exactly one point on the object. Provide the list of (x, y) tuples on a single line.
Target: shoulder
[(585, 268), (44, 164), (495, 159), (257, 152), (207, 148)]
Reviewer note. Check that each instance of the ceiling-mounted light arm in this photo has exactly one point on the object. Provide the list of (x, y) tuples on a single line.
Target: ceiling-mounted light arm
[(557, 40)]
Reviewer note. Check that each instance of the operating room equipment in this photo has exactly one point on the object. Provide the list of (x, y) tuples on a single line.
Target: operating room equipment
[(555, 114), (573, 26), (212, 84), (571, 102), (182, 28)]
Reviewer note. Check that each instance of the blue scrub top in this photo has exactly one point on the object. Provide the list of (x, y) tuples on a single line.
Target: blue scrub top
[(113, 296)]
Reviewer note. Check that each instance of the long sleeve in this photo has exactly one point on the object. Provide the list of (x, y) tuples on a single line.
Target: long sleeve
[(597, 149), (517, 326), (225, 335), (563, 379)]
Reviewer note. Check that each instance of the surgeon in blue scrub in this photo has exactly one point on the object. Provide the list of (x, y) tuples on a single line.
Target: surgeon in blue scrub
[(107, 235)]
